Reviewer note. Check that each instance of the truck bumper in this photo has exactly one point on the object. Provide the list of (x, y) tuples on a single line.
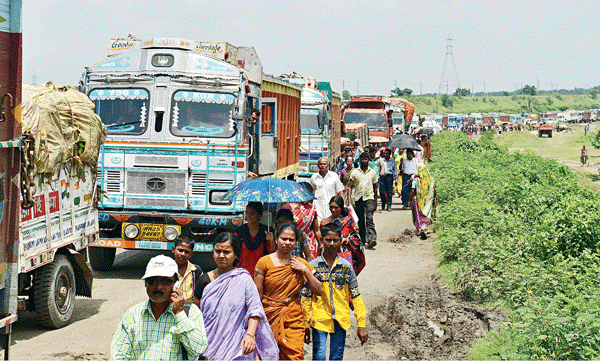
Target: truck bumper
[(199, 228)]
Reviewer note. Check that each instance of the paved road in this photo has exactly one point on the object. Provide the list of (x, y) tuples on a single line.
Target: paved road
[(389, 267)]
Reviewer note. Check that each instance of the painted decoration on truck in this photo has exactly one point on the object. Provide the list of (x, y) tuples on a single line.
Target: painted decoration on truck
[(209, 47), (111, 94), (205, 64), (123, 62)]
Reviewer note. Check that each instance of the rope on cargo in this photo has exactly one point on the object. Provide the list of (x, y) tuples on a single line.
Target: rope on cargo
[(28, 170)]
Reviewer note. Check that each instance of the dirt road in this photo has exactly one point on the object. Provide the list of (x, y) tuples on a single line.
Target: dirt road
[(393, 268)]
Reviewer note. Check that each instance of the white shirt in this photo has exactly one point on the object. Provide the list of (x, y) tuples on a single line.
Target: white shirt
[(409, 167), (325, 188)]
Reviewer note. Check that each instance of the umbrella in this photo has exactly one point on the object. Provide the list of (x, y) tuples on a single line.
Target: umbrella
[(268, 190), (405, 141), (424, 130), (378, 139)]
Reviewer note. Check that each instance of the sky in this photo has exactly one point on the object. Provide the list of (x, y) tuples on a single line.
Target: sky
[(365, 47)]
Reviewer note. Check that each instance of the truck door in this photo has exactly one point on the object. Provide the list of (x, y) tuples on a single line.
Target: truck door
[(267, 157)]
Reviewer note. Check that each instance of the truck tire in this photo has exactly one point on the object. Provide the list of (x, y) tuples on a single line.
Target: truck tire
[(101, 259), (54, 293)]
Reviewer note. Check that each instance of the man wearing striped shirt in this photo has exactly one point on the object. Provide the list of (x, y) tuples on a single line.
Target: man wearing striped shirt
[(159, 328)]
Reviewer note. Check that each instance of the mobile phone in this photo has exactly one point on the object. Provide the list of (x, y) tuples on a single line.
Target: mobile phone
[(176, 285)]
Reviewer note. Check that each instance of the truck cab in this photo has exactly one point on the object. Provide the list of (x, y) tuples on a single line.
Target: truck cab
[(372, 111)]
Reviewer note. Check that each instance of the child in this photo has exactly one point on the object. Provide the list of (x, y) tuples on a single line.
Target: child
[(317, 310)]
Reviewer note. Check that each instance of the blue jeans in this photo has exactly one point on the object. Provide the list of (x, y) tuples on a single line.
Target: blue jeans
[(337, 343), (406, 186)]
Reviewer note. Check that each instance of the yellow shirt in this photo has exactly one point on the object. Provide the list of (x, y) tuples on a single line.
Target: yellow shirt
[(339, 287), (186, 287), (363, 183)]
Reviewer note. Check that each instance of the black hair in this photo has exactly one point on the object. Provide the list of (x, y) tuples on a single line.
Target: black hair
[(372, 149), (257, 206), (288, 226), (286, 213), (331, 228), (409, 150), (254, 110), (307, 186), (365, 155), (340, 202), (236, 243), (347, 157), (179, 240)]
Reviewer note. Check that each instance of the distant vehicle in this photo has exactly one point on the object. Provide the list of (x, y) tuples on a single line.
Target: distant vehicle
[(372, 111), (545, 130), (571, 116)]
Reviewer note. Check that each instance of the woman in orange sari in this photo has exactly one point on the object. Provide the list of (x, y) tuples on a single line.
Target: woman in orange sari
[(279, 278)]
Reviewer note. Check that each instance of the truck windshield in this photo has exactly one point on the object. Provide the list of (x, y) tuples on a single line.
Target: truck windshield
[(309, 121), (202, 114), (123, 111), (398, 121), (373, 120)]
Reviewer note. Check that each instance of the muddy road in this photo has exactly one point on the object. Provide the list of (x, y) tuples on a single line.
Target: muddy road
[(399, 287)]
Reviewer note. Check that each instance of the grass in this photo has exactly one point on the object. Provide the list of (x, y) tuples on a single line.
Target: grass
[(565, 147), (506, 104)]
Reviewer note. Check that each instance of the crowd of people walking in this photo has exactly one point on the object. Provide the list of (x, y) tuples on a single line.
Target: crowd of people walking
[(278, 287)]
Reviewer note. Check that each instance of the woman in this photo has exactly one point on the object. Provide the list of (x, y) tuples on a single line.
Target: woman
[(279, 278), (254, 236), (234, 318), (341, 218), (344, 176), (422, 199), (305, 219)]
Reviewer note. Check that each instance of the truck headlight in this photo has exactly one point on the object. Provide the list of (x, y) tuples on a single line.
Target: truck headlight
[(131, 231), (170, 233)]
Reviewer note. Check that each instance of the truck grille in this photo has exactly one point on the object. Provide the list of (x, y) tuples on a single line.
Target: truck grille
[(153, 202), (112, 180), (198, 184), (174, 183), (198, 180), (156, 161)]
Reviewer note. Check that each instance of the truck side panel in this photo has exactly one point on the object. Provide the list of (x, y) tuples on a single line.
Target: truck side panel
[(10, 131), (288, 124)]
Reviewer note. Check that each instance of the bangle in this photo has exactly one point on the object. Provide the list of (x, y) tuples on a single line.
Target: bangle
[(251, 335)]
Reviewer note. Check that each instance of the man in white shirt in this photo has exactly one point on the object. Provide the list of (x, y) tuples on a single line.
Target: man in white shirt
[(409, 167), (326, 184)]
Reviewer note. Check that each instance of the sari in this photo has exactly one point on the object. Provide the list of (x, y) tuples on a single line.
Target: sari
[(354, 246), (424, 201), (281, 290), (227, 304), (304, 216)]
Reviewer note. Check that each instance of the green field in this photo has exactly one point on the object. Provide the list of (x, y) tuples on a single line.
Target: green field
[(508, 104), (565, 147)]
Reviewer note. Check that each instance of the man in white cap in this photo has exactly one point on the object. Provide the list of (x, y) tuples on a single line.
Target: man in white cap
[(159, 329)]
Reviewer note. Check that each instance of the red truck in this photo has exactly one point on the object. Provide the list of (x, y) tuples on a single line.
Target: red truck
[(372, 111)]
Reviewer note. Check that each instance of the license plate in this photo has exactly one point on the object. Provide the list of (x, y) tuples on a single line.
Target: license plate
[(152, 231)]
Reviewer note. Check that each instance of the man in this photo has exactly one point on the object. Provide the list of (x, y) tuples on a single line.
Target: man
[(187, 273), (363, 180), (388, 179), (326, 184), (329, 314), (375, 165), (409, 167), (253, 134), (158, 329)]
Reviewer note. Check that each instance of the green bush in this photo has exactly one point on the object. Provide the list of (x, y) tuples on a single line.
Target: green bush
[(520, 232)]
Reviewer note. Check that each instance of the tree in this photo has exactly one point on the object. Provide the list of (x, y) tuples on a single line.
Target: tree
[(505, 93), (346, 95), (529, 89), (447, 101), (406, 92), (462, 92), (594, 94)]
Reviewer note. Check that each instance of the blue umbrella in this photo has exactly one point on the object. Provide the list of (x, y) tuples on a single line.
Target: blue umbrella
[(268, 190)]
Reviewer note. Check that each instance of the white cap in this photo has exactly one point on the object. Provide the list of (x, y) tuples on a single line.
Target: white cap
[(161, 266)]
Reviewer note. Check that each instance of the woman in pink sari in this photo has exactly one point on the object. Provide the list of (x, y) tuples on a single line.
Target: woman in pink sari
[(305, 219)]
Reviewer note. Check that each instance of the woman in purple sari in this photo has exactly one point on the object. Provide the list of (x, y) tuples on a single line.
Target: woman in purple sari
[(234, 318)]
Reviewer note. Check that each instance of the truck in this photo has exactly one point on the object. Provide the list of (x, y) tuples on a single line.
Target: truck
[(545, 130), (180, 135), (372, 111), (335, 117), (49, 142), (402, 113)]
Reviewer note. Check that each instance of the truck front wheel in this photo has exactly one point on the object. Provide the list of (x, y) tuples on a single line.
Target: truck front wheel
[(54, 293), (101, 259)]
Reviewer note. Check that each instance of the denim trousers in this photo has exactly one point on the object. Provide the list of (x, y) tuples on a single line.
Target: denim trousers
[(337, 343), (406, 186), (386, 190)]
